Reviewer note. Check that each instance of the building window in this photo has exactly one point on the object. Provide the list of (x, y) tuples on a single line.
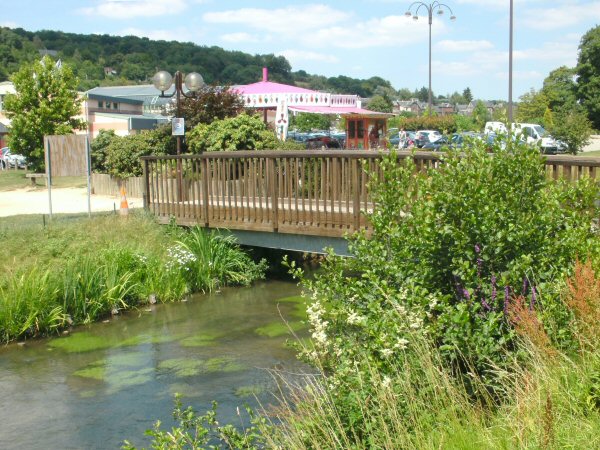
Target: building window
[(115, 105), (100, 104)]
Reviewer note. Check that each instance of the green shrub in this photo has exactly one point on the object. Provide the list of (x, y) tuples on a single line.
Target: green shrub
[(243, 132), (449, 251)]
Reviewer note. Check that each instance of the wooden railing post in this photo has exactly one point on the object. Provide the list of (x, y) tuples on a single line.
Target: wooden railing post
[(356, 194), (204, 174), (273, 192), (146, 184)]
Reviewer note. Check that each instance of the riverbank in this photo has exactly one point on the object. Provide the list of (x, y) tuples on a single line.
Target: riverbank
[(78, 270)]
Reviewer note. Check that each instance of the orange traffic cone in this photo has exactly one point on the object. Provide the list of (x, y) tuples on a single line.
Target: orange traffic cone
[(124, 205)]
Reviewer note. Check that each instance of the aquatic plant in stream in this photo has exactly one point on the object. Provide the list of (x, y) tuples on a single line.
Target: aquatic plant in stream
[(217, 261)]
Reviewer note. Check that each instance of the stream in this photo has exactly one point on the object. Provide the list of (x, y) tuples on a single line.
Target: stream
[(110, 381)]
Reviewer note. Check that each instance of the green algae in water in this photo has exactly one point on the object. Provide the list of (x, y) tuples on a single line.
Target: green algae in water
[(127, 378), (94, 372), (184, 389), (199, 340), (81, 342), (87, 342), (275, 329), (182, 367), (299, 303), (249, 391), (223, 364)]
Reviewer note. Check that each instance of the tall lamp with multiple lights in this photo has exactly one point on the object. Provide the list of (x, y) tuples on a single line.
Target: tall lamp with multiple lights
[(438, 8), (163, 81), (193, 82)]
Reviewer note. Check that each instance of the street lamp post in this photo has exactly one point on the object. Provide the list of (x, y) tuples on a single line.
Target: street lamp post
[(430, 8), (510, 68), (163, 81), (193, 82)]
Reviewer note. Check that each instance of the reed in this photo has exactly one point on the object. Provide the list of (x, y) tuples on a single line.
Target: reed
[(81, 270)]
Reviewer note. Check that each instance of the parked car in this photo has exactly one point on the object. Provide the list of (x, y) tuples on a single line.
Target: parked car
[(427, 136), (394, 138), (12, 159), (437, 144), (323, 141)]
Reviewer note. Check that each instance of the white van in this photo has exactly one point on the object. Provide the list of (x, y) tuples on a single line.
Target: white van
[(536, 135), (495, 127)]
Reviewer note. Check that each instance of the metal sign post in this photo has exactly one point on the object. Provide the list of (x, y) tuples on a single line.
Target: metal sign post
[(48, 175)]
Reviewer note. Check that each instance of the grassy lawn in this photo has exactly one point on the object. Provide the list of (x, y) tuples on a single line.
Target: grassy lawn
[(15, 179), (594, 153)]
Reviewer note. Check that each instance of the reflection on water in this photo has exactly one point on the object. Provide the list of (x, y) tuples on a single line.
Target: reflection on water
[(111, 381)]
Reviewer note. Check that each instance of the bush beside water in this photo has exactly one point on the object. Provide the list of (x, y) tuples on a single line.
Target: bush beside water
[(73, 273), (464, 320)]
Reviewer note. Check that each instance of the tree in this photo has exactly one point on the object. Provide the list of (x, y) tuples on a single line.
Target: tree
[(560, 88), (45, 103), (588, 72), (381, 104), (211, 103), (467, 95), (306, 122), (244, 132), (480, 114), (532, 107), (572, 126)]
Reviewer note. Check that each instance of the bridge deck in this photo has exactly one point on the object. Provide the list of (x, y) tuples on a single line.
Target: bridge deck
[(318, 193)]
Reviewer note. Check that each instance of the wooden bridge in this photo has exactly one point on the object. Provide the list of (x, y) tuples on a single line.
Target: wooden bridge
[(268, 198)]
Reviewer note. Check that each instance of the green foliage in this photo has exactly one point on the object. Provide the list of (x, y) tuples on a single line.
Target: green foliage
[(98, 150), (90, 269), (467, 95), (306, 122), (560, 88), (532, 107), (571, 126), (46, 103), (380, 103), (446, 124), (194, 431), (123, 154), (244, 132), (448, 251), (480, 114), (588, 75), (209, 104)]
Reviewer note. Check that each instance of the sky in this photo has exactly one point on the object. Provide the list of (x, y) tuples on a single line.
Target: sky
[(355, 38)]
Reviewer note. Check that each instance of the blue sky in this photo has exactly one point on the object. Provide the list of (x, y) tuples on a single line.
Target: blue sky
[(354, 38)]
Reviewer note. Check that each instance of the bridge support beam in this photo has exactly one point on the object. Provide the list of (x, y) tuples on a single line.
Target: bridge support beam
[(291, 242)]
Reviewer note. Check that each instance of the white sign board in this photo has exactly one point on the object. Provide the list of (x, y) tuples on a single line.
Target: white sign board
[(178, 126)]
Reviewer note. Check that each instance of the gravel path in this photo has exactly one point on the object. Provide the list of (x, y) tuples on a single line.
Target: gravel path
[(65, 200)]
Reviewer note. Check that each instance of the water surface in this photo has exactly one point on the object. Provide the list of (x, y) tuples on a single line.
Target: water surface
[(110, 381)]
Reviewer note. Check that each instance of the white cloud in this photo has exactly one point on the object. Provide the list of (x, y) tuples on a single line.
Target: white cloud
[(562, 16), (128, 9), (240, 37), (297, 56), (389, 31), (453, 69), (9, 24), (291, 20), (463, 46)]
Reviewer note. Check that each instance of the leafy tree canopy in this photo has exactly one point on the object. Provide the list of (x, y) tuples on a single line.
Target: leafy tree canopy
[(588, 72), (532, 107), (45, 103), (244, 132), (381, 104), (210, 103), (306, 122), (560, 88)]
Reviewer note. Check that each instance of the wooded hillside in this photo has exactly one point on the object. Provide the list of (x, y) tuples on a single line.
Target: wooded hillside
[(100, 60)]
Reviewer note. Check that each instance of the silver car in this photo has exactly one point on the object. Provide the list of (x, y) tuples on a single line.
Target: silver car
[(8, 159)]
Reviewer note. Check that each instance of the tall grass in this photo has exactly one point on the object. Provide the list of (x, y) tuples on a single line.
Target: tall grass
[(119, 265), (549, 399)]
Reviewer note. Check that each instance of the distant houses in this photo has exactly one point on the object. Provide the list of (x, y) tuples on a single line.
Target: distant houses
[(418, 108)]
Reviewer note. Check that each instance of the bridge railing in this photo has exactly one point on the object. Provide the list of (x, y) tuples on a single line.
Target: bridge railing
[(318, 192)]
